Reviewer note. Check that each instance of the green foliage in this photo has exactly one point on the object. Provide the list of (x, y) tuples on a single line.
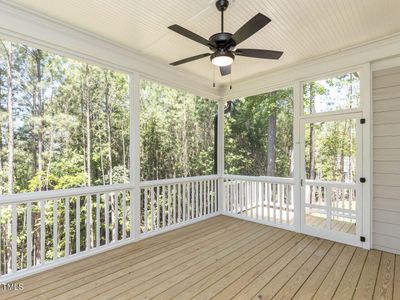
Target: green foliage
[(177, 133), (247, 129)]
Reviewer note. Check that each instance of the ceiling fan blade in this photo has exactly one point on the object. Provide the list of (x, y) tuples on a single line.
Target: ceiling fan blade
[(250, 28), (259, 53), (225, 70), (191, 35), (189, 59)]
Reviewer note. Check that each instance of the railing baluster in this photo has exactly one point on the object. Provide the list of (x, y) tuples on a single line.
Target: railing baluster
[(196, 191), (257, 199), (123, 214), (262, 199), (203, 200), (174, 202), (169, 204), (164, 204), (42, 232), (214, 195), (208, 196), (107, 218), (78, 224), (328, 193), (189, 200), (55, 229), (280, 195), (152, 207), (67, 241), (114, 197), (88, 220), (132, 212), (158, 206), (14, 222), (97, 220), (287, 199), (28, 235), (193, 199), (179, 185), (146, 191), (253, 198), (184, 187)]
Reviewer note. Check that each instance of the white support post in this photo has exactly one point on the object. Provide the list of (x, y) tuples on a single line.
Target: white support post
[(220, 154), (297, 165), (134, 117), (367, 155)]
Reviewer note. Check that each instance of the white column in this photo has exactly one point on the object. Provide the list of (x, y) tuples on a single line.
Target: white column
[(134, 156), (297, 173), (220, 154), (365, 199)]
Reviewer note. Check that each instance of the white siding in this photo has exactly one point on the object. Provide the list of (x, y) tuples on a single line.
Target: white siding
[(386, 203)]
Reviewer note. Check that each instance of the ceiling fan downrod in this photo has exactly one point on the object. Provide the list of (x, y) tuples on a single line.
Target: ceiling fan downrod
[(222, 5)]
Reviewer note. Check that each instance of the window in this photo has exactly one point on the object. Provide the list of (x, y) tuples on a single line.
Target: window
[(259, 135), (336, 93), (176, 133), (64, 123)]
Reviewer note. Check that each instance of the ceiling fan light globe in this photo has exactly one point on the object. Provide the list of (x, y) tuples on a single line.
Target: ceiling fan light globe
[(222, 61)]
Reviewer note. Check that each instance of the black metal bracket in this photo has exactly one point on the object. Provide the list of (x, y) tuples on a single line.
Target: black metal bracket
[(363, 121), (363, 180), (362, 239)]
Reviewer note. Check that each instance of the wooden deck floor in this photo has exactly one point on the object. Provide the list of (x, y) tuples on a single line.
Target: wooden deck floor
[(223, 258)]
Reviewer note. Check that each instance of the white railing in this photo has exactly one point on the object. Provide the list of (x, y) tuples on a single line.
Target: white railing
[(170, 202), (335, 202), (41, 229), (265, 199)]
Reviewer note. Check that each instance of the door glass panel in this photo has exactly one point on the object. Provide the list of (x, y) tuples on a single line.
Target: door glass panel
[(332, 94), (330, 168)]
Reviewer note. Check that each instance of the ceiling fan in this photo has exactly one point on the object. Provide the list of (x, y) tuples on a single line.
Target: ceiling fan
[(223, 44)]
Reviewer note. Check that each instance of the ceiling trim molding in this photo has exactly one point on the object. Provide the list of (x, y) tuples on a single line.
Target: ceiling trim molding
[(340, 60), (20, 25)]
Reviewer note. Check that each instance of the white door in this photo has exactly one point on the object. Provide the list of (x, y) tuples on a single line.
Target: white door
[(331, 183)]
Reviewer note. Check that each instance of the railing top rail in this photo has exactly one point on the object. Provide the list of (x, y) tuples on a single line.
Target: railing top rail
[(57, 194), (260, 178), (83, 191), (177, 180), (330, 183)]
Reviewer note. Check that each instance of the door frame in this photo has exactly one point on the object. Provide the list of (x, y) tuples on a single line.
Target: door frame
[(365, 109), (325, 232)]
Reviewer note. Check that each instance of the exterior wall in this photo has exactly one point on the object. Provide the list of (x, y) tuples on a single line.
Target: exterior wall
[(386, 148)]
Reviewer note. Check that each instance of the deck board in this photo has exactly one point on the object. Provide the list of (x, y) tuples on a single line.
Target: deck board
[(223, 258)]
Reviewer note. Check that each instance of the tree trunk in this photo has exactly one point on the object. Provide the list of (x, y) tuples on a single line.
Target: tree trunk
[(40, 113), (108, 117), (271, 143), (88, 135), (9, 52)]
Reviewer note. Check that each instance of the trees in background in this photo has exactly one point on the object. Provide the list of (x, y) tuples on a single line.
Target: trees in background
[(63, 123), (259, 135), (176, 133)]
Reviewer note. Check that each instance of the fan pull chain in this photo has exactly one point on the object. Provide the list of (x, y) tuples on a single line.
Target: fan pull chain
[(213, 76), (230, 79)]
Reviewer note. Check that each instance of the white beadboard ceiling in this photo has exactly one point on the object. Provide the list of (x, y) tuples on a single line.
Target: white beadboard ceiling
[(303, 29)]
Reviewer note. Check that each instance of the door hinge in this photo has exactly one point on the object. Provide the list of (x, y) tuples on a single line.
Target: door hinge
[(363, 180), (362, 239), (363, 121)]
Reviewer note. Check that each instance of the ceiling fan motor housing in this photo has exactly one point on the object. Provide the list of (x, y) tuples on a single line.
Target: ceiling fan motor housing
[(223, 40)]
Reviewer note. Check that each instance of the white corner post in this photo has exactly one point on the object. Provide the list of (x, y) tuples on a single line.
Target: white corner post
[(134, 153), (367, 153), (297, 165), (220, 155)]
